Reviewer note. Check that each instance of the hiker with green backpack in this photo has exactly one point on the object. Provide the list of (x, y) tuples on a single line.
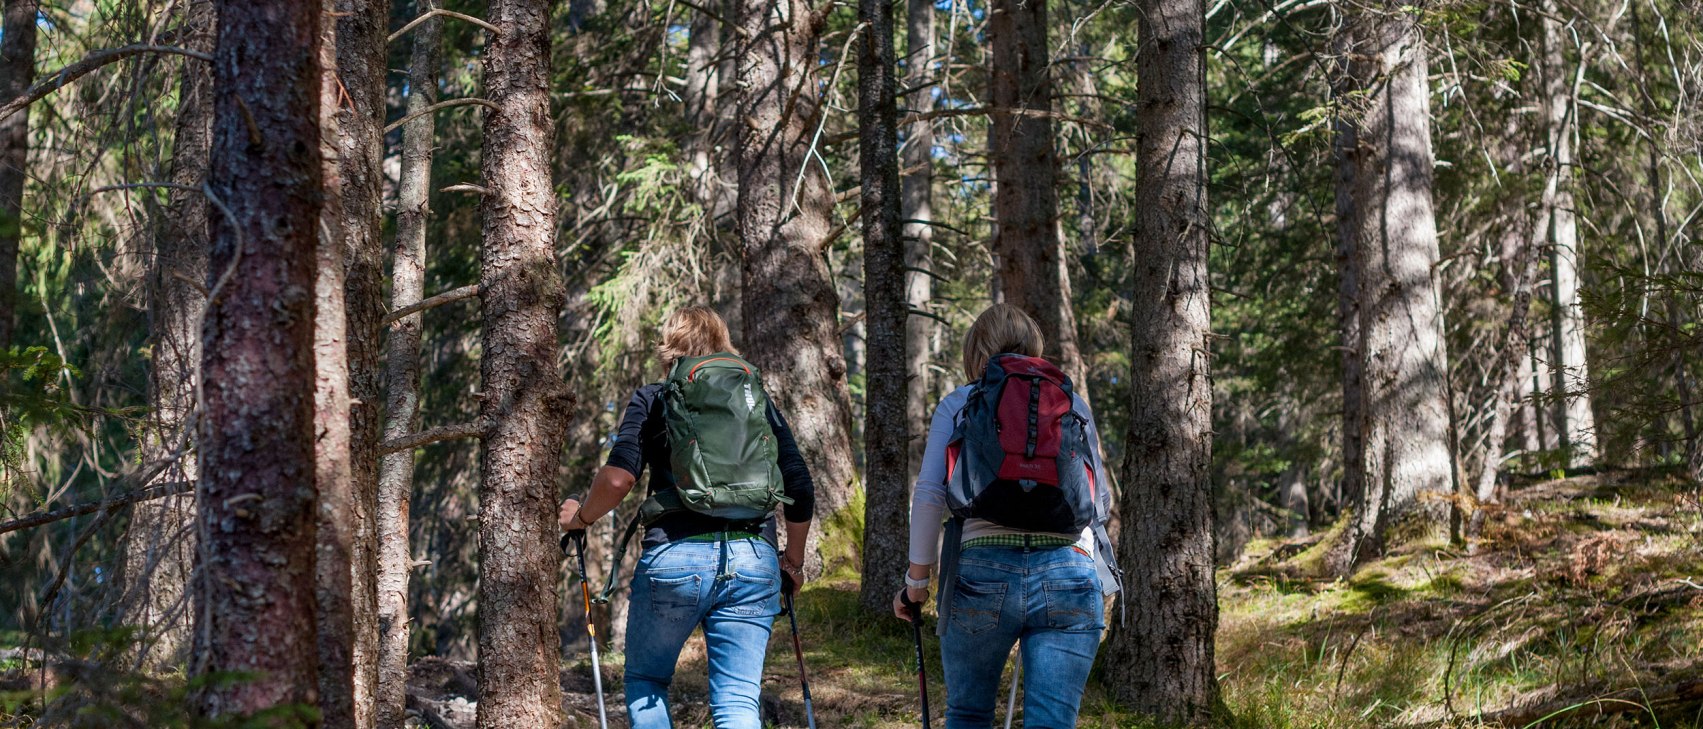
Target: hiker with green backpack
[(1012, 470), (721, 459)]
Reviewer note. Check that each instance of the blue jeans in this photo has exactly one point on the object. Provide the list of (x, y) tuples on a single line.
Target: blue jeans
[(731, 588), (1047, 598)]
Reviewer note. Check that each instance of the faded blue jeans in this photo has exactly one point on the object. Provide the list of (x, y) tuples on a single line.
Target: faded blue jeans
[(1047, 598), (731, 588)]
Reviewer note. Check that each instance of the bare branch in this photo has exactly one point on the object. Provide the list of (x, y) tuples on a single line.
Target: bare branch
[(391, 127), (434, 435), (66, 75), (466, 187), (452, 295), (42, 518), (436, 12)]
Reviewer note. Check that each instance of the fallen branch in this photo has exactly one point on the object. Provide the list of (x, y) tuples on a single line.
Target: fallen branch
[(58, 79), (42, 518), (393, 126), (434, 435), (466, 187), (434, 13), (450, 296)]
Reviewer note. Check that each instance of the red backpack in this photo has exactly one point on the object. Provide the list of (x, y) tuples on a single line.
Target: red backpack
[(1021, 457)]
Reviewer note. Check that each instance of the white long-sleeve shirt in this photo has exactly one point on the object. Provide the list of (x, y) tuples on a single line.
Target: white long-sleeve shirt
[(928, 499)]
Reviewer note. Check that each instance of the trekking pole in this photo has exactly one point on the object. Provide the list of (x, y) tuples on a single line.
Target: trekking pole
[(577, 538), (915, 609), (798, 650), (1011, 700)]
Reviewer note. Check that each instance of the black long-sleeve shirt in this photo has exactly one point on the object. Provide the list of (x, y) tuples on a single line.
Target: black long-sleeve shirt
[(642, 441)]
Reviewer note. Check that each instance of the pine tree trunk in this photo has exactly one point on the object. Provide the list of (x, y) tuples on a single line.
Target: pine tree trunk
[(1405, 451), (1161, 663), (788, 304), (361, 69), (525, 401), (402, 377), (1515, 276), (703, 82), (1030, 256), (256, 602), (917, 179), (886, 462), (159, 547), (333, 473), (1571, 378), (17, 72), (1344, 142)]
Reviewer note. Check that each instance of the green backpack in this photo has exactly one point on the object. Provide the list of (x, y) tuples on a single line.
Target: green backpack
[(720, 444), (721, 449)]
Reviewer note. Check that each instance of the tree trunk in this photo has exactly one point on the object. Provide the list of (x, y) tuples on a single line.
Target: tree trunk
[(334, 586), (159, 546), (917, 178), (886, 462), (17, 72), (361, 69), (1515, 276), (1029, 254), (1576, 425), (256, 602), (402, 378), (1162, 663), (1403, 360), (789, 307), (525, 401), (1344, 142), (703, 82)]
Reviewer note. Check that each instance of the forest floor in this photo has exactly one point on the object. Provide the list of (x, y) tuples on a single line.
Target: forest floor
[(1580, 605)]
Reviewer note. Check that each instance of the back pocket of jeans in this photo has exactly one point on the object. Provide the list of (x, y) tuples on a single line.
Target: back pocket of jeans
[(1072, 604), (753, 595), (976, 606), (676, 598)]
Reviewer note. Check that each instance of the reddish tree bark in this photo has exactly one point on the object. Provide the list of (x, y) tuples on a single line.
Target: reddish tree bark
[(525, 400), (360, 62), (256, 438)]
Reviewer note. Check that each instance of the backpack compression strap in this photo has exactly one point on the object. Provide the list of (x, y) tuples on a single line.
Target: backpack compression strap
[(951, 547)]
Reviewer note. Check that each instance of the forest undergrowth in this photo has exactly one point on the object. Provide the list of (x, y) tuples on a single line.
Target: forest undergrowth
[(1581, 604)]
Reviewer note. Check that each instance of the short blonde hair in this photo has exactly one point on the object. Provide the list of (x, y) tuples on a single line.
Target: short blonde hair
[(1002, 328), (693, 331)]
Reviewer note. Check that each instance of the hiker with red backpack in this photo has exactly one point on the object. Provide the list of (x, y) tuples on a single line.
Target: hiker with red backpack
[(1012, 471), (721, 460)]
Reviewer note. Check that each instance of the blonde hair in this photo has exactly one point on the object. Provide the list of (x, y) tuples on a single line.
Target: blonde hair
[(1002, 328), (693, 331)]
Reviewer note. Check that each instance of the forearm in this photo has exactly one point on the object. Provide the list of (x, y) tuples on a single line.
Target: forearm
[(611, 485), (797, 532)]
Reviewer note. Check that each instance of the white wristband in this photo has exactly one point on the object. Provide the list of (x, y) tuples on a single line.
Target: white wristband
[(915, 583)]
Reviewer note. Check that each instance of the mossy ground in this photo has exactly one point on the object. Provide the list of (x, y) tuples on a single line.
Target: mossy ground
[(1581, 594), (1576, 589)]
